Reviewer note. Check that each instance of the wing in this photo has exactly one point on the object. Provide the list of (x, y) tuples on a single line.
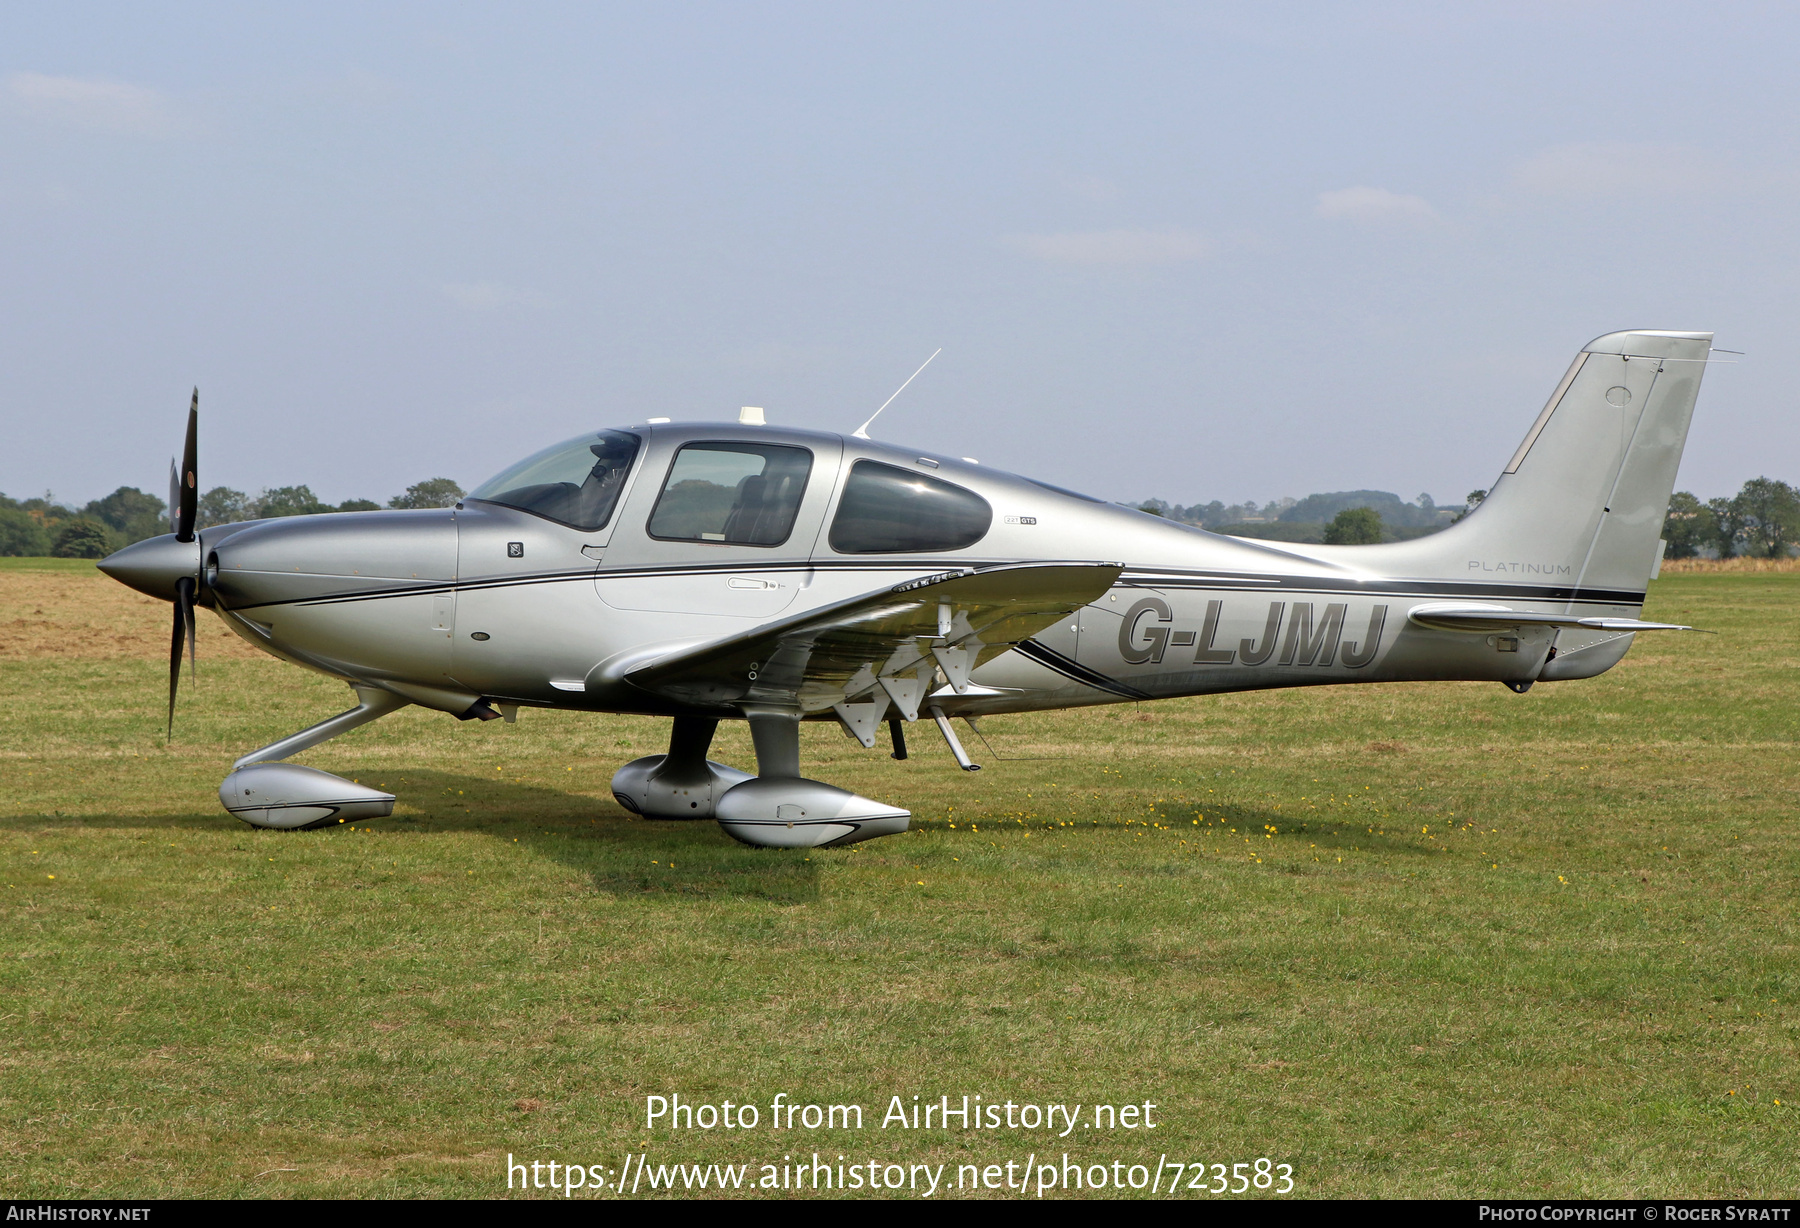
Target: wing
[(1478, 618), (883, 645)]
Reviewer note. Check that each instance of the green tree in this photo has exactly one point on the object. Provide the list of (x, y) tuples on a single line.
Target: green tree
[(289, 501), (130, 513), (1354, 526), (1156, 507), (22, 535), (359, 505), (1689, 526), (223, 505), (46, 509), (433, 492), (1474, 500), (1727, 525), (82, 538), (1770, 513), (1320, 508)]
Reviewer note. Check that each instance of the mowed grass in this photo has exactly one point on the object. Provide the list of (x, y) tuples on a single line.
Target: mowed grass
[(1433, 939)]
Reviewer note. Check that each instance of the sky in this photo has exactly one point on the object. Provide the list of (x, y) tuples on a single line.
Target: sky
[(1183, 251)]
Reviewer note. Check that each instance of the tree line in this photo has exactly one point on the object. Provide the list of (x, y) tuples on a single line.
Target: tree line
[(1335, 518), (1403, 519), (1761, 521), (45, 527)]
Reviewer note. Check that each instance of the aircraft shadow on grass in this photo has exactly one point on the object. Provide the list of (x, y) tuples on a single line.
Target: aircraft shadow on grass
[(622, 855), (626, 856)]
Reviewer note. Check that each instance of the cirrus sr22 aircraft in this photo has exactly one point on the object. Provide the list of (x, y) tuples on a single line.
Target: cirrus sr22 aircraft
[(737, 571)]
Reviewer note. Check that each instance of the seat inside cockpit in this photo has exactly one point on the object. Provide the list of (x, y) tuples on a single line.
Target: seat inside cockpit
[(740, 494)]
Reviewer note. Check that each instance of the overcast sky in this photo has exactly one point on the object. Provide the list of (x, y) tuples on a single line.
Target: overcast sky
[(1189, 251)]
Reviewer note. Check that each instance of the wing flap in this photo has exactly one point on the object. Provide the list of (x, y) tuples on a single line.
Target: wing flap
[(893, 639)]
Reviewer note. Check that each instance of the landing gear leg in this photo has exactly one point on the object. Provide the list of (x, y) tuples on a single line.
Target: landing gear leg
[(689, 741), (956, 747), (776, 735), (372, 704)]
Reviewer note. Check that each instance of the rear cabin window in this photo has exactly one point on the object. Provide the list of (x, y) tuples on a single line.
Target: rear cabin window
[(889, 510), (737, 494)]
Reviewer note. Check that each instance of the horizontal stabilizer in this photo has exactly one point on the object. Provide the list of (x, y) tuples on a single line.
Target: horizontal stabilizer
[(1480, 618)]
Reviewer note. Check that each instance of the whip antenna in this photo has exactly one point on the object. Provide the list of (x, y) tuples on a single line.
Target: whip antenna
[(862, 432)]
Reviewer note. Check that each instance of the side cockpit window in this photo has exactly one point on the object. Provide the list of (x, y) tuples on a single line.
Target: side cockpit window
[(889, 510), (739, 494), (575, 483)]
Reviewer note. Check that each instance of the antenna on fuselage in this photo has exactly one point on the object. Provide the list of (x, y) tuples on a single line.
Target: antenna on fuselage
[(862, 432)]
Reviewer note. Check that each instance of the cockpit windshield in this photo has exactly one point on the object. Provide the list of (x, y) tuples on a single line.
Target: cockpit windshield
[(576, 483)]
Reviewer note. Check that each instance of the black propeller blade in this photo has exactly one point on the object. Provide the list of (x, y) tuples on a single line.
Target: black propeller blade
[(189, 494), (183, 630), (183, 505)]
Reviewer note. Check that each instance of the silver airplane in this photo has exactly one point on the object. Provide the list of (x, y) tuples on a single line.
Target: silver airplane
[(709, 571)]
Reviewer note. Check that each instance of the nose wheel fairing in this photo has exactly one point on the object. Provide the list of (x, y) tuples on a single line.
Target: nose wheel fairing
[(289, 797)]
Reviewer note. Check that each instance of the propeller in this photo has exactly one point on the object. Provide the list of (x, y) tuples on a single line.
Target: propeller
[(184, 497)]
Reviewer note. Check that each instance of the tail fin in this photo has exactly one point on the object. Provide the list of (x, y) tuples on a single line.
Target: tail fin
[(1580, 506)]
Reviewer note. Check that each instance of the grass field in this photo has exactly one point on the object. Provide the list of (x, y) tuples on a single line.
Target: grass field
[(1412, 940)]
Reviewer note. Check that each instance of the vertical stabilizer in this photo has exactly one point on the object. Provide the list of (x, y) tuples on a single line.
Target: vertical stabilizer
[(1581, 503)]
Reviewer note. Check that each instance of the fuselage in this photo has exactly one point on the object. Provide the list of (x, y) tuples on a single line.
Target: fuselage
[(489, 601), (709, 571)]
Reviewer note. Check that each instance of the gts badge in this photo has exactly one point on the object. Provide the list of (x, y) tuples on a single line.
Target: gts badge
[(1310, 638)]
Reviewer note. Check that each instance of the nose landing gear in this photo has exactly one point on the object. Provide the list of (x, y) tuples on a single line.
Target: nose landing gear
[(289, 797)]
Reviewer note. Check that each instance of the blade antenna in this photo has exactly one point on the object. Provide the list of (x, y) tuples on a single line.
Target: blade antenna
[(862, 432)]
